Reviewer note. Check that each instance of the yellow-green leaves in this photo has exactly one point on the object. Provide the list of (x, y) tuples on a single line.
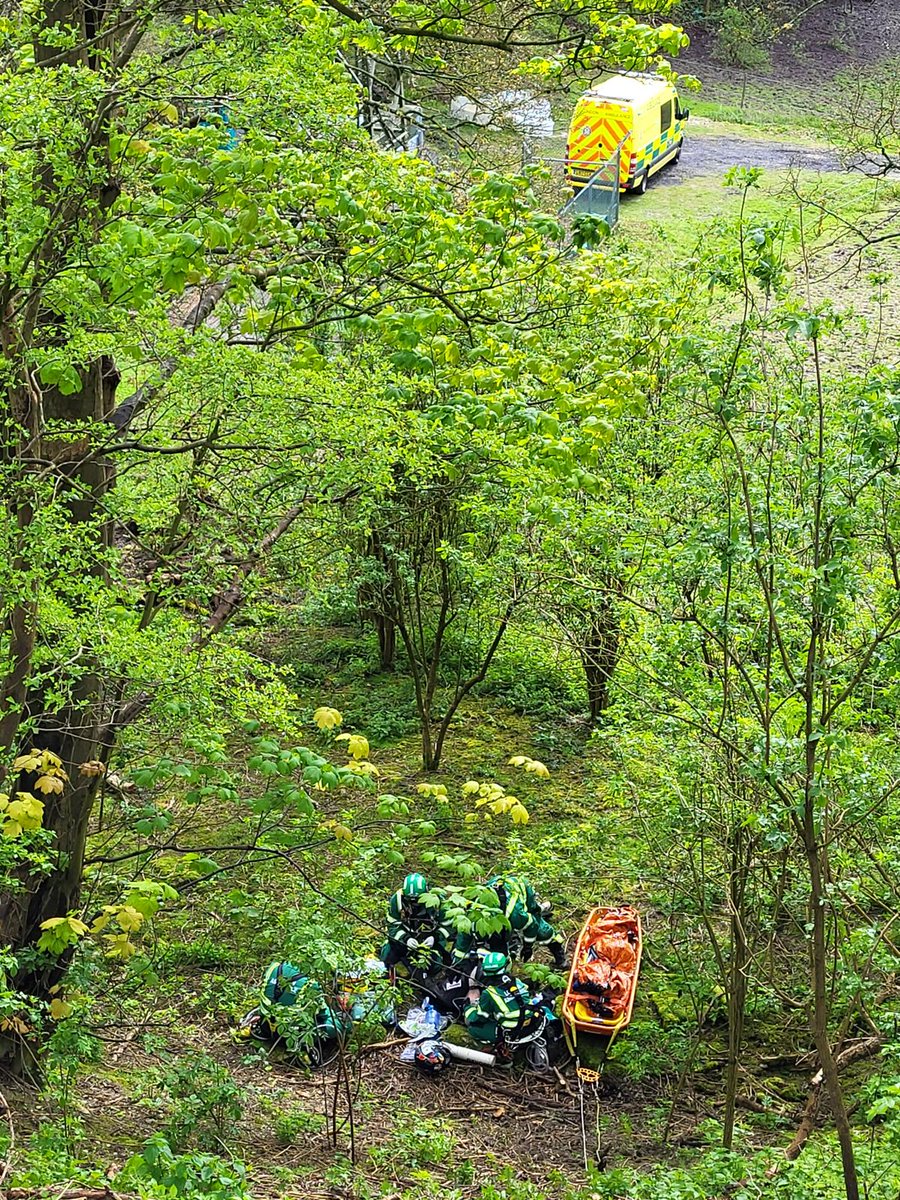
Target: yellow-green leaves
[(531, 765), (48, 784), (327, 718), (491, 800), (25, 813), (202, 21), (357, 745), (60, 1009), (340, 831), (114, 925), (58, 933), (22, 815), (436, 790), (38, 760), (128, 920), (363, 767)]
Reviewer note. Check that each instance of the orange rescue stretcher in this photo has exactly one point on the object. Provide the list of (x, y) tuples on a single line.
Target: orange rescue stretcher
[(603, 979)]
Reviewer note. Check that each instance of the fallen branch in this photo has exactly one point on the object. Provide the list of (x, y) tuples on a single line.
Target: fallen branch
[(229, 601), (369, 1046), (791, 1062), (466, 1110), (850, 1054), (528, 1101), (563, 1083), (201, 302)]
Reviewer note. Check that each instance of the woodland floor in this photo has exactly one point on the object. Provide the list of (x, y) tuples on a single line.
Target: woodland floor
[(469, 1124)]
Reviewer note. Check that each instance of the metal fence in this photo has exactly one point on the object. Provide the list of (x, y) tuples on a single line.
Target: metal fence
[(597, 185), (599, 194)]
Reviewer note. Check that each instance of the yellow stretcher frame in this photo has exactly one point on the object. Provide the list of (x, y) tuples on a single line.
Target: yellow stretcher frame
[(600, 1026)]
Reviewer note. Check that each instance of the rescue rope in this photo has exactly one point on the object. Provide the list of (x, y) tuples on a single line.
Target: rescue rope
[(588, 1076)]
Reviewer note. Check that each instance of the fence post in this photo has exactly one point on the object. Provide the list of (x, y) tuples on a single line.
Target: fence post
[(600, 191)]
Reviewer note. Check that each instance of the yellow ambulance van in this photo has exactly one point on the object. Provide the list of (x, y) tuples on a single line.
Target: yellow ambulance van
[(639, 112)]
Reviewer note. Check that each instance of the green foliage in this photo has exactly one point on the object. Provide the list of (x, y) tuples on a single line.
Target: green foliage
[(187, 1176), (743, 36), (204, 1104), (651, 1049), (291, 1123), (416, 1144), (814, 1176), (205, 952), (48, 1156), (882, 1096), (494, 465), (589, 230), (533, 678), (388, 714)]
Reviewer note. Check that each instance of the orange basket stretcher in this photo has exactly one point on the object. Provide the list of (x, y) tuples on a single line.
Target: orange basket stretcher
[(603, 979)]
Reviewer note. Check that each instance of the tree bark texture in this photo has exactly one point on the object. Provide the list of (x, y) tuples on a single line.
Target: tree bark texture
[(599, 657), (77, 730)]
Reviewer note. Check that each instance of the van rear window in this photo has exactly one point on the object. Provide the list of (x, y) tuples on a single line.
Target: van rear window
[(665, 116)]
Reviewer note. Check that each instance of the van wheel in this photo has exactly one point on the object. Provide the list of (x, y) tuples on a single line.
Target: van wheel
[(641, 184), (678, 151)]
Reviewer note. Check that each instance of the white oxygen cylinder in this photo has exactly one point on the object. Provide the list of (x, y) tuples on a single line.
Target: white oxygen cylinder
[(464, 1054)]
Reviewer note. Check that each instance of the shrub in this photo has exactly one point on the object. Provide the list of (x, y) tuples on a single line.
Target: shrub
[(205, 1103), (188, 1175), (291, 1124), (742, 36)]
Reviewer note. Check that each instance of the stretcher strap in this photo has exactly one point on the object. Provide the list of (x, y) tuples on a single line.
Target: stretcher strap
[(570, 1033)]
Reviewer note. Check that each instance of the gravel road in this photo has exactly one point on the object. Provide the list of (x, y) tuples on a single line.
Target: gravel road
[(713, 155)]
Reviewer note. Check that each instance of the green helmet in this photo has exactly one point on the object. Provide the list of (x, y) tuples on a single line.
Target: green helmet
[(494, 963), (415, 885)]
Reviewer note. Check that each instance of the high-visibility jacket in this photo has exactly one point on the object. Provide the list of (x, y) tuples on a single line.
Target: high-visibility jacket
[(408, 918), (498, 1010), (522, 908), (469, 944), (284, 987)]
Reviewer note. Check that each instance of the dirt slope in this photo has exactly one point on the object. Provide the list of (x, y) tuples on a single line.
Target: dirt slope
[(833, 36)]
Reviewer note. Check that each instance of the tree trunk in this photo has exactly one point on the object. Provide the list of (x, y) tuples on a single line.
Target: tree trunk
[(436, 744), (815, 853), (378, 603), (76, 737), (66, 14), (78, 729), (430, 758), (819, 968), (739, 969), (599, 657), (387, 640), (75, 727)]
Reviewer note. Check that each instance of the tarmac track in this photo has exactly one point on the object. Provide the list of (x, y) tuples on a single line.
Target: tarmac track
[(714, 155)]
